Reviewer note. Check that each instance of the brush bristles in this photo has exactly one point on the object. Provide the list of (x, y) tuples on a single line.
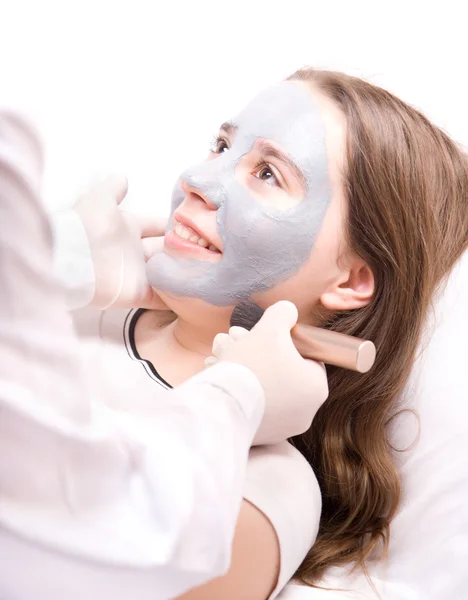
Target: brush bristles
[(246, 314)]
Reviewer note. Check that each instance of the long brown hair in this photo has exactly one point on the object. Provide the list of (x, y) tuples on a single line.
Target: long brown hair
[(406, 186)]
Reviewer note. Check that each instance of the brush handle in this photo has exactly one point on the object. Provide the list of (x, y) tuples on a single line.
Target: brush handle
[(333, 348)]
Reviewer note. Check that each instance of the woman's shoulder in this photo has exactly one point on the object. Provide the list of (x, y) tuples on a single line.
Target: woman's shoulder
[(283, 486), (284, 460)]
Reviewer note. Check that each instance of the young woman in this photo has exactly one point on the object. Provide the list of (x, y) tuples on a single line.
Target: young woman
[(363, 213), (334, 194)]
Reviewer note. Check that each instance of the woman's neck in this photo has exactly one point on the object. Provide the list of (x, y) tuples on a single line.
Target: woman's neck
[(195, 338), (177, 350)]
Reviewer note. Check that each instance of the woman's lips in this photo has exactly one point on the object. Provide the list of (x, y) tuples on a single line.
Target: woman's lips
[(187, 228), (173, 241)]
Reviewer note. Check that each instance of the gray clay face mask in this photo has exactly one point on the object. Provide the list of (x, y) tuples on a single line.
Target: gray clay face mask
[(262, 246)]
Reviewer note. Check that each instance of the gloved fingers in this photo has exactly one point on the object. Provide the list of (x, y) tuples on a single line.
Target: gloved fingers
[(152, 226), (221, 341), (152, 246), (115, 185), (316, 374), (237, 333), (210, 361), (278, 317)]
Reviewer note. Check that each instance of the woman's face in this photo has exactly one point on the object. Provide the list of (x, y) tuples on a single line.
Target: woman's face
[(262, 217)]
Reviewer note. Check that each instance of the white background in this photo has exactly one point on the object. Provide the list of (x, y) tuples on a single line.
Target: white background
[(141, 86)]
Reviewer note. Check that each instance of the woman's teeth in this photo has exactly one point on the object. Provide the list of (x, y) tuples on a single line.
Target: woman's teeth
[(187, 233)]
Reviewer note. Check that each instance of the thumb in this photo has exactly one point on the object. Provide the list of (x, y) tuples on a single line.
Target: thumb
[(151, 226), (281, 315), (152, 246), (116, 186)]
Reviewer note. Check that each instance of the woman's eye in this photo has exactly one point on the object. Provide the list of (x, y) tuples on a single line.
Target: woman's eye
[(220, 145), (266, 174)]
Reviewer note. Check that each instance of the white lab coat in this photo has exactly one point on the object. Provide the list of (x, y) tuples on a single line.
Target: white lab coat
[(144, 482)]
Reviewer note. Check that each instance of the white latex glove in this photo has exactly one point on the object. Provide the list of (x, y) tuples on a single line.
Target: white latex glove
[(295, 388), (120, 243)]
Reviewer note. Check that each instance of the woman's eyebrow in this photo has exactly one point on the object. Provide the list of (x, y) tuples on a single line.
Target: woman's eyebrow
[(228, 127), (268, 150)]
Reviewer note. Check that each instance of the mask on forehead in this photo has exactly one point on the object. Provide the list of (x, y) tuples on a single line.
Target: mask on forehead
[(262, 246)]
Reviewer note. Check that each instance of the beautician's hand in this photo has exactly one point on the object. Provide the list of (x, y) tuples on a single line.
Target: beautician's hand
[(120, 242), (295, 388)]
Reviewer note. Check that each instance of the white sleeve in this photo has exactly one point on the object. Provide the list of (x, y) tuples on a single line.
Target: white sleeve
[(283, 486), (73, 263), (74, 268), (122, 506)]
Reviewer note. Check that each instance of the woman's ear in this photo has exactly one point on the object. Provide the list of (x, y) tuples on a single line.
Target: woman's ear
[(354, 289)]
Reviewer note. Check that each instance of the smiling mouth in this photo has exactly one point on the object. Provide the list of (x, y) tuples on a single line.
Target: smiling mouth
[(190, 235)]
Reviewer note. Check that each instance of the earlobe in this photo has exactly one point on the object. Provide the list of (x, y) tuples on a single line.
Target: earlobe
[(355, 289)]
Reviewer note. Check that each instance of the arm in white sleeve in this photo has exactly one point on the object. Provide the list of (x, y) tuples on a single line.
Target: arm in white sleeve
[(125, 505), (72, 258)]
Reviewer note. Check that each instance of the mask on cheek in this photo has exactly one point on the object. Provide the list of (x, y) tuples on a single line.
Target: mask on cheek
[(262, 246)]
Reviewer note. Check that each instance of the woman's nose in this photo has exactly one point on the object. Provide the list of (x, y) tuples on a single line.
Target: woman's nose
[(194, 193), (206, 181)]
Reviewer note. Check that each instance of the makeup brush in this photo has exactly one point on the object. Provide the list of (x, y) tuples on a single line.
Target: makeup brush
[(330, 347)]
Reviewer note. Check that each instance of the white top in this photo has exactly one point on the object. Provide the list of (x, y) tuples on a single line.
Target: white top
[(108, 487)]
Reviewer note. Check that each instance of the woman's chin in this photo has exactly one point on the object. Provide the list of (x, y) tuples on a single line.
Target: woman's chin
[(192, 309), (167, 299)]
